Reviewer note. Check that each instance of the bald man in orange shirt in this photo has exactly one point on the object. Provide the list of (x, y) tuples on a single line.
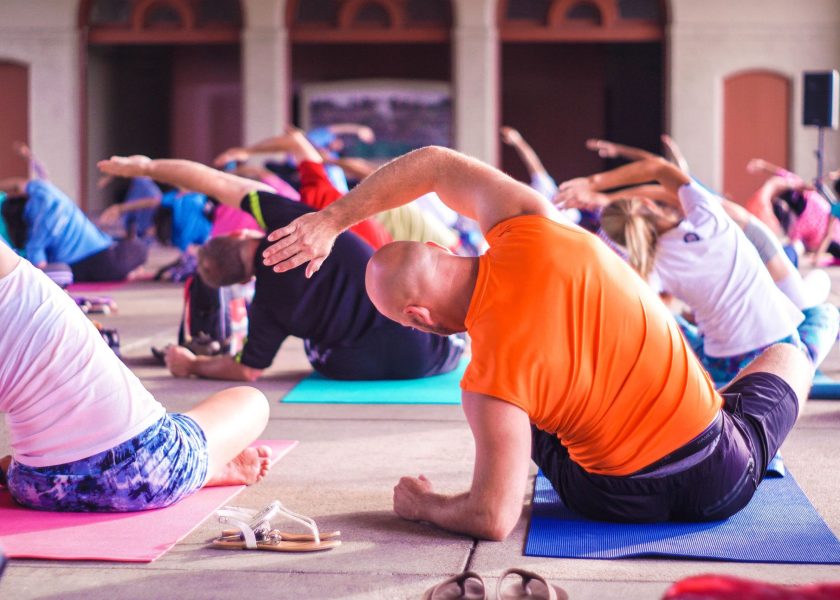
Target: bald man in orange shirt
[(575, 362)]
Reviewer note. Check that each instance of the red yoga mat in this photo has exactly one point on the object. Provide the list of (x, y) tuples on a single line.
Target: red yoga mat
[(119, 537)]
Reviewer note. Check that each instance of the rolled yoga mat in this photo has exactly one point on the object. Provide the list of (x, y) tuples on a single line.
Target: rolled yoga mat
[(758, 533), (120, 537)]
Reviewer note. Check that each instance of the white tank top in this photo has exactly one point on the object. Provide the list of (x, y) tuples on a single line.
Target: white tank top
[(65, 394)]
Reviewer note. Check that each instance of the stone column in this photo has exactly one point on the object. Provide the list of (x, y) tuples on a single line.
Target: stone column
[(265, 69), (475, 60)]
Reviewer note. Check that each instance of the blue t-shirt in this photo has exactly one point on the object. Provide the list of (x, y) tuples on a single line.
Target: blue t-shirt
[(58, 230), (191, 217)]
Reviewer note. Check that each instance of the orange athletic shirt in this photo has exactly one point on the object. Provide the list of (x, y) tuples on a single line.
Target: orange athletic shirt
[(562, 328)]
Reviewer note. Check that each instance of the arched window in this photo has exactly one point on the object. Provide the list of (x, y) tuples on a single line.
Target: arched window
[(581, 20), (161, 21), (400, 21)]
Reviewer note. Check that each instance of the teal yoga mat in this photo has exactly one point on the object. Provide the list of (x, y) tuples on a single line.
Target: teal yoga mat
[(779, 525), (439, 389)]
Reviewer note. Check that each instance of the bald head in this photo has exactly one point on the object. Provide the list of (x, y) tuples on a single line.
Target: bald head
[(395, 276), (420, 286)]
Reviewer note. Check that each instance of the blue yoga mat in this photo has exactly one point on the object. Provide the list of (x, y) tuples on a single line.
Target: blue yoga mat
[(779, 525), (823, 388), (439, 389)]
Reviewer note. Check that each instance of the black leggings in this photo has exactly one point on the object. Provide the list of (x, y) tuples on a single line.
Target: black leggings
[(111, 264)]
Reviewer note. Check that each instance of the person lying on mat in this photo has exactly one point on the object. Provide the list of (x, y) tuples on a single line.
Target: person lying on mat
[(715, 265), (48, 227), (85, 434), (575, 361), (344, 335)]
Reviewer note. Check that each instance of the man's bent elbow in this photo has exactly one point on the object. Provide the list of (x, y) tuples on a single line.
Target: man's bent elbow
[(496, 527)]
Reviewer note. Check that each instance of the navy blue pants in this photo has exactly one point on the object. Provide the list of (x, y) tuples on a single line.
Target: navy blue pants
[(759, 411), (389, 351), (112, 264)]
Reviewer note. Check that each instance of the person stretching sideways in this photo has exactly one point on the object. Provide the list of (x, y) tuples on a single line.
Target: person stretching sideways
[(85, 434), (344, 336), (575, 361)]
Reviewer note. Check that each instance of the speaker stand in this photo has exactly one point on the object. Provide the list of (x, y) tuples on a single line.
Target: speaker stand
[(820, 152)]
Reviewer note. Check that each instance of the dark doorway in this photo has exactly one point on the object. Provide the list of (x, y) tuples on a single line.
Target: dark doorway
[(181, 101), (560, 94), (14, 117)]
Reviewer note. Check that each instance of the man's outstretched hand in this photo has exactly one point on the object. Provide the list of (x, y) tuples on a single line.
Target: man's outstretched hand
[(309, 238), (125, 166)]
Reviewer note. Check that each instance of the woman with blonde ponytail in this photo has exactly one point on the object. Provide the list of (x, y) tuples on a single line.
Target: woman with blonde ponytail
[(686, 241)]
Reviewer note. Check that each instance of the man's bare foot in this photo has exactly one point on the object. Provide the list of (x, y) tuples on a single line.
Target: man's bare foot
[(249, 467)]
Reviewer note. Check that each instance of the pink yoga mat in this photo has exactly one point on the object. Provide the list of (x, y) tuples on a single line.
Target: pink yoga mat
[(119, 537)]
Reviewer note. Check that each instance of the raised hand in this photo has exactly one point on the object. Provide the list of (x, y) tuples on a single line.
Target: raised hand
[(309, 238), (510, 136), (235, 154), (578, 193), (110, 215), (125, 166), (604, 148)]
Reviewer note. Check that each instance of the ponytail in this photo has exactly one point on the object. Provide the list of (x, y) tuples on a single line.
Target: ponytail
[(630, 224)]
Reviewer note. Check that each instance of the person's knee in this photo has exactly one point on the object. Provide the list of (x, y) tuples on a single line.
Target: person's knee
[(253, 402), (791, 364)]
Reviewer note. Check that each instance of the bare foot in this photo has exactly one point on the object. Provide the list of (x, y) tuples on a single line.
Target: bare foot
[(250, 466)]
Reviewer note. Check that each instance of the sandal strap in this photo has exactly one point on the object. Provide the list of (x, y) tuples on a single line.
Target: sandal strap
[(527, 577), (248, 534), (259, 522)]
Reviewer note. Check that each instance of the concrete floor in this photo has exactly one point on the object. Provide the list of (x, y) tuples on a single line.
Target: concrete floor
[(342, 474)]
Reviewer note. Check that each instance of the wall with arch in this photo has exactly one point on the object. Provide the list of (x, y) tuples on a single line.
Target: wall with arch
[(715, 39)]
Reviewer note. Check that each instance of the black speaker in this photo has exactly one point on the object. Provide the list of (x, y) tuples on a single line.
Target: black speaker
[(820, 94)]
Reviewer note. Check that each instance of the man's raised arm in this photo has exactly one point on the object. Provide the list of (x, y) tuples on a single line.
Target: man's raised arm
[(226, 188), (468, 186)]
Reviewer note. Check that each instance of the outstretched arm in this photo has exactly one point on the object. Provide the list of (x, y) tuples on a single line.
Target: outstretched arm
[(183, 363), (363, 132), (292, 141), (465, 184), (607, 149), (226, 188), (527, 155), (759, 165), (675, 152), (113, 213), (358, 168), (492, 507)]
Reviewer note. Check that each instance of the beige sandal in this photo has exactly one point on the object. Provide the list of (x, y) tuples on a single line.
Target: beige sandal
[(253, 531), (464, 586), (531, 586)]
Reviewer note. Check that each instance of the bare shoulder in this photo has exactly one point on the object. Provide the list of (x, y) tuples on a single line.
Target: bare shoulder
[(8, 260)]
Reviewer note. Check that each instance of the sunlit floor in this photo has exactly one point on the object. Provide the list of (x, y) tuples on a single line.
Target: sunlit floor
[(342, 474)]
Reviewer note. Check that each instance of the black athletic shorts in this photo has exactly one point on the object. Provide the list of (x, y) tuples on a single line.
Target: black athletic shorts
[(710, 478)]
